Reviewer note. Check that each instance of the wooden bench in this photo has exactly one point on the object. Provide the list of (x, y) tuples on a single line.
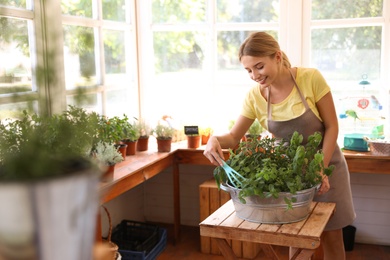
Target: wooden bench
[(224, 225)]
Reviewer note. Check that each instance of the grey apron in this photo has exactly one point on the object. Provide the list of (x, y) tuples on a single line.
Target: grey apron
[(340, 189)]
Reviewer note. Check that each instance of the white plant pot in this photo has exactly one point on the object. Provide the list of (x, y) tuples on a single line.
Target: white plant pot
[(51, 219)]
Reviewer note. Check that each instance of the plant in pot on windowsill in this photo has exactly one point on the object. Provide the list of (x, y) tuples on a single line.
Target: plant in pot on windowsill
[(144, 131), (131, 135), (163, 134), (110, 130), (48, 186), (107, 156), (205, 133)]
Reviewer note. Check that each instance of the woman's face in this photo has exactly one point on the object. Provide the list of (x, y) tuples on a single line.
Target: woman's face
[(263, 70)]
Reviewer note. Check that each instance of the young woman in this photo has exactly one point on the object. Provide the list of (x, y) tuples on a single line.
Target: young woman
[(285, 100)]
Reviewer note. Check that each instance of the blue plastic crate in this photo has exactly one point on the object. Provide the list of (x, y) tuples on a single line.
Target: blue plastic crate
[(143, 255)]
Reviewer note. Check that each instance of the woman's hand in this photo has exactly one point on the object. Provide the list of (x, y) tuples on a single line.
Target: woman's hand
[(213, 151), (325, 186)]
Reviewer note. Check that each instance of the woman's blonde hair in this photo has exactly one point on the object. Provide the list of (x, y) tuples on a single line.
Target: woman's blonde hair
[(261, 44)]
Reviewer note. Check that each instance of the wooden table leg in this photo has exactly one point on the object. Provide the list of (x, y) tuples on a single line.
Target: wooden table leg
[(176, 201), (301, 254), (225, 249), (269, 251)]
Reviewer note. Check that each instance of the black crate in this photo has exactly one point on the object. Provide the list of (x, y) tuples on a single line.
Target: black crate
[(152, 255), (135, 236)]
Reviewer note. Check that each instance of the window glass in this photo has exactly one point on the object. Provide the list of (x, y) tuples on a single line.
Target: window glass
[(340, 9), (179, 51), (77, 8), (79, 57), (90, 101), (179, 11), (180, 75), (122, 101), (15, 65), (115, 58), (247, 11), (14, 3), (114, 10), (344, 53), (15, 110)]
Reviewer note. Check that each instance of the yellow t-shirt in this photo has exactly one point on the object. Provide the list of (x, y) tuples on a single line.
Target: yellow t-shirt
[(313, 87)]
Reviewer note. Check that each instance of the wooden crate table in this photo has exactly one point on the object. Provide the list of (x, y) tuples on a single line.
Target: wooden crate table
[(224, 225)]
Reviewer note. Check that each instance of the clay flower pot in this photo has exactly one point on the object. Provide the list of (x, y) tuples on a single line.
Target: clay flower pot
[(193, 141), (143, 143), (164, 145)]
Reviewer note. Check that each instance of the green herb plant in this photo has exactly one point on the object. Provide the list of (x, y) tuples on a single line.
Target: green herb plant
[(272, 165)]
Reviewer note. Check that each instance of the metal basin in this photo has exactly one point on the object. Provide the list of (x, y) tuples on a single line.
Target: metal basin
[(272, 210)]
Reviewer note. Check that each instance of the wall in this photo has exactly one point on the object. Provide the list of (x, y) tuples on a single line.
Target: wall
[(371, 196), (153, 201)]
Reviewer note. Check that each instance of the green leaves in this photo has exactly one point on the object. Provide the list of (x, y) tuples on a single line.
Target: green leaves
[(272, 165)]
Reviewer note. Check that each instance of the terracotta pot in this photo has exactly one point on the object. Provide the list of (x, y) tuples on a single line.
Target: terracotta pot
[(108, 175), (164, 145), (205, 139), (142, 144), (122, 148), (193, 141), (131, 147)]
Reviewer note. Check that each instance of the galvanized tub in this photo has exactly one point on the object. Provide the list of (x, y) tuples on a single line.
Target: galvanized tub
[(272, 210)]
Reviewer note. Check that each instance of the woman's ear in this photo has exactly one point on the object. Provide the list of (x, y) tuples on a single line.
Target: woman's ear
[(279, 56)]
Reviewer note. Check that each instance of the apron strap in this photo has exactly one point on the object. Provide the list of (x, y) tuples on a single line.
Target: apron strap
[(269, 107)]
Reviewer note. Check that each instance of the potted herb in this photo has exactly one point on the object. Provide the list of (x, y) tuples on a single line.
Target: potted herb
[(111, 130), (269, 167), (144, 131), (205, 133), (107, 156), (164, 134), (131, 135), (46, 167)]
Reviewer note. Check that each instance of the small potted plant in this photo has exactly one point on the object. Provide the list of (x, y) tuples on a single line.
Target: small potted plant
[(111, 130), (131, 135), (193, 136), (163, 134), (144, 132), (205, 133), (107, 156)]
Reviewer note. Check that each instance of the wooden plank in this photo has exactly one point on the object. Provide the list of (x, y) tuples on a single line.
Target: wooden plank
[(227, 252), (294, 228), (219, 215), (234, 221), (317, 220), (204, 201), (214, 205)]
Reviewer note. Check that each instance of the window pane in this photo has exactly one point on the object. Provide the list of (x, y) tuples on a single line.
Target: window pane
[(180, 78), (123, 101), (15, 110), (179, 11), (77, 8), (15, 65), (79, 55), (344, 54), (115, 58), (90, 102), (14, 3), (339, 9), (114, 10), (178, 51), (247, 11)]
